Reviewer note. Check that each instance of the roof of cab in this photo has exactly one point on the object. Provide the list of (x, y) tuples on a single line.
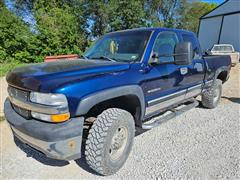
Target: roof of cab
[(155, 29)]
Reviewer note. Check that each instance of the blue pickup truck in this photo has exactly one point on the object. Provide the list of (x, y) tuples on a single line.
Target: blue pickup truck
[(127, 81)]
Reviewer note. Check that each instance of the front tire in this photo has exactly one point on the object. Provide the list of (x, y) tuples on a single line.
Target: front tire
[(212, 96), (110, 141)]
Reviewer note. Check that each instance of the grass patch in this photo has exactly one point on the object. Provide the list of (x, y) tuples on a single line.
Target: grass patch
[(6, 67)]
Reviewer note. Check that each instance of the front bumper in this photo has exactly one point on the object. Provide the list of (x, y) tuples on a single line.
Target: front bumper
[(56, 140)]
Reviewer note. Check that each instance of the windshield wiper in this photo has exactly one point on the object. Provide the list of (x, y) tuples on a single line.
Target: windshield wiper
[(105, 58)]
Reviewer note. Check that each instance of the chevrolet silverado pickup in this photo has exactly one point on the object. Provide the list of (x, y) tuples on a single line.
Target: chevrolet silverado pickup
[(127, 81)]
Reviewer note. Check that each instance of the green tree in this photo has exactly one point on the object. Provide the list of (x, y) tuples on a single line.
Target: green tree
[(112, 15), (67, 26), (60, 25), (163, 12), (15, 38), (191, 14), (127, 15), (57, 31), (97, 13)]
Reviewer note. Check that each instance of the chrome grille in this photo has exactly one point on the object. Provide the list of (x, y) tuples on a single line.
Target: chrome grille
[(21, 95), (18, 94), (23, 112)]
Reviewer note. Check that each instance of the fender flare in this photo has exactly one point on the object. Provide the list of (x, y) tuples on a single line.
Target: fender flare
[(219, 70), (91, 100)]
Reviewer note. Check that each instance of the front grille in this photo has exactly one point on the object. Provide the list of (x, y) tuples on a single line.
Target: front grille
[(18, 94), (22, 96), (23, 112)]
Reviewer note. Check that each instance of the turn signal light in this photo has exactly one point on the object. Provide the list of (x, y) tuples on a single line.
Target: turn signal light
[(60, 117)]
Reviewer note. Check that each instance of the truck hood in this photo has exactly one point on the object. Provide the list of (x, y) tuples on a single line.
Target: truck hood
[(45, 77)]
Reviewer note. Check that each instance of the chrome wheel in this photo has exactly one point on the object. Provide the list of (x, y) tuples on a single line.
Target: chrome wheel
[(118, 143)]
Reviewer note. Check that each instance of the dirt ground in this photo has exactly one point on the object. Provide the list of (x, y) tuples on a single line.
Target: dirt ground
[(201, 143)]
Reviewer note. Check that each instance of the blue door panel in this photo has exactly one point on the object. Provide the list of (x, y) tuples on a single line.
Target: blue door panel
[(195, 74), (163, 80)]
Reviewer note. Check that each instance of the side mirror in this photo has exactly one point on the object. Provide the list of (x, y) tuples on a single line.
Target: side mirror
[(183, 53), (154, 59)]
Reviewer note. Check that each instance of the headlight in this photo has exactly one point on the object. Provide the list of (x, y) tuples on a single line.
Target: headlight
[(49, 99), (58, 101)]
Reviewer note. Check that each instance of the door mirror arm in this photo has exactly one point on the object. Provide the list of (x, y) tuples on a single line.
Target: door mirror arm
[(154, 59), (183, 54)]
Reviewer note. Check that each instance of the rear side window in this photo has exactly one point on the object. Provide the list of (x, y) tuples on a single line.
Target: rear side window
[(192, 39)]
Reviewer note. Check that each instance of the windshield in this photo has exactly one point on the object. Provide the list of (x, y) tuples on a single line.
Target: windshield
[(121, 46), (223, 48)]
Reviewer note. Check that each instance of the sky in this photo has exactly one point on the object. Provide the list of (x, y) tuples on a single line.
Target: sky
[(213, 1)]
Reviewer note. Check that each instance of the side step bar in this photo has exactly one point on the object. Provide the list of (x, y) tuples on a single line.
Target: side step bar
[(170, 114)]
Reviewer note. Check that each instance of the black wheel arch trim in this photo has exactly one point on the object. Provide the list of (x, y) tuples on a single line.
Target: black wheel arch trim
[(221, 69), (91, 100)]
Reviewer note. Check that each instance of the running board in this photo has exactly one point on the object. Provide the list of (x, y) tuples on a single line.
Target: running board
[(170, 114)]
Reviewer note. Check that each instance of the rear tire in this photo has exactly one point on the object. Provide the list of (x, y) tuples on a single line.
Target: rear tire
[(212, 96), (110, 141)]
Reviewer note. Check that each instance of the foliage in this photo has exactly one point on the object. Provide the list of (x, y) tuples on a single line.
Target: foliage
[(164, 12), (16, 40), (58, 34), (69, 26), (192, 12), (113, 15), (127, 15)]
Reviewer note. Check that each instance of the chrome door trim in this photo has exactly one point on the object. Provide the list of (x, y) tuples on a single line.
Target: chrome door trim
[(167, 96), (164, 104), (168, 100), (165, 101)]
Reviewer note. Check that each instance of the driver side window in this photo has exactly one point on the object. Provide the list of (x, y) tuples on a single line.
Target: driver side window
[(164, 46)]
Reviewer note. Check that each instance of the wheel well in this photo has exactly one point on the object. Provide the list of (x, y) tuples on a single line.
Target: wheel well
[(222, 76), (129, 103)]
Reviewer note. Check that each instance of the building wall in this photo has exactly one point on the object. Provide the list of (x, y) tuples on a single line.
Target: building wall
[(209, 32), (227, 7), (222, 25), (231, 31)]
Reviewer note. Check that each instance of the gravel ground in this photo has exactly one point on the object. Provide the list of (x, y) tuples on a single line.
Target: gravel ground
[(3, 93), (201, 143)]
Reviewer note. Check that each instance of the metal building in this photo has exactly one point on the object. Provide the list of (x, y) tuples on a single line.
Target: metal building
[(221, 26)]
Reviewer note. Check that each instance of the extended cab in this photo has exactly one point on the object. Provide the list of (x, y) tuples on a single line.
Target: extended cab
[(97, 102)]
